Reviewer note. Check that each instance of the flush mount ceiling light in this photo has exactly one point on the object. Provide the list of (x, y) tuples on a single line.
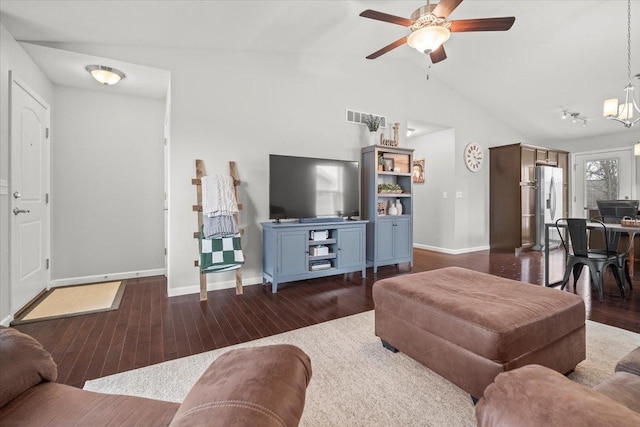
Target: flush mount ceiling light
[(623, 113), (105, 75)]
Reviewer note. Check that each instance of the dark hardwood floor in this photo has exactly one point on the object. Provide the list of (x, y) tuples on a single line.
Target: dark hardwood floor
[(149, 327)]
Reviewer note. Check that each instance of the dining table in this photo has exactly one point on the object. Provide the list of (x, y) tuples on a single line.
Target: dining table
[(632, 232)]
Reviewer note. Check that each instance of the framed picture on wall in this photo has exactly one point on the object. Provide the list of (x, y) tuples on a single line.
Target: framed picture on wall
[(418, 171)]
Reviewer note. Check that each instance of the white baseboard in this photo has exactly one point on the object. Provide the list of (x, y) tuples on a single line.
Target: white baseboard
[(451, 251), (104, 277), (7, 320), (195, 289)]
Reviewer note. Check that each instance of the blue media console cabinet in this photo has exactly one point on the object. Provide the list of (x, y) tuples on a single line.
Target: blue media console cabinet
[(298, 251)]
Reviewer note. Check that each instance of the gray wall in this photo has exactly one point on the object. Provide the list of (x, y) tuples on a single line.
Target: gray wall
[(13, 58), (107, 185)]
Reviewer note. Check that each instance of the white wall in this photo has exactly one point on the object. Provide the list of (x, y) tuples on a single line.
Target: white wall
[(14, 58), (242, 106), (433, 223), (107, 188)]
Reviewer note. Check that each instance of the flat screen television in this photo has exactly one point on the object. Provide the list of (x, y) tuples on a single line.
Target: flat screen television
[(304, 187)]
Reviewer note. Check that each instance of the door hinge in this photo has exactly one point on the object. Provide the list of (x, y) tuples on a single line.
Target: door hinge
[(165, 141), (46, 263), (574, 166), (46, 198), (165, 251), (46, 133)]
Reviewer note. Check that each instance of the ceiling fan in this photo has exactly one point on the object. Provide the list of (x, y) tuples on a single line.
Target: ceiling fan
[(430, 28)]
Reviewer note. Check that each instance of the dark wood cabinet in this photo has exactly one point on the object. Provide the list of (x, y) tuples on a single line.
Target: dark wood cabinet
[(512, 187)]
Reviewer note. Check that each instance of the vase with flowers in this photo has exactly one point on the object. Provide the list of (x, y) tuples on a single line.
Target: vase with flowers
[(373, 123)]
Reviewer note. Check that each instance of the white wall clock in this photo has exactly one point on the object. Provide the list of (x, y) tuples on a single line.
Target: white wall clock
[(473, 156)]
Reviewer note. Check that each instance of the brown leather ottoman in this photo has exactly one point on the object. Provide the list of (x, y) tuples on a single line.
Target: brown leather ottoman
[(469, 326)]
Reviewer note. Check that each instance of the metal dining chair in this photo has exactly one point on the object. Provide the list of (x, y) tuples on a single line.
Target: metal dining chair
[(578, 254), (622, 257)]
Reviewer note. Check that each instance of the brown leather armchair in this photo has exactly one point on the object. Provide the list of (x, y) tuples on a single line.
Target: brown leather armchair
[(263, 386), (537, 396)]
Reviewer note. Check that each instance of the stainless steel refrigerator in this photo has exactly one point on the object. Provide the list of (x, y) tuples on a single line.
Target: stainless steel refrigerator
[(548, 204)]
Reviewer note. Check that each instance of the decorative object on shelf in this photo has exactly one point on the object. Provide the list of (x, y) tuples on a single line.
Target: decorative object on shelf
[(396, 134), (418, 171), (386, 142), (372, 122), (623, 113), (392, 209), (388, 165), (389, 187), (380, 163), (382, 208), (575, 117), (473, 156), (399, 206)]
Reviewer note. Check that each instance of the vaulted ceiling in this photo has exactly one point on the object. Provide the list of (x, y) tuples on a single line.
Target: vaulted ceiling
[(558, 55)]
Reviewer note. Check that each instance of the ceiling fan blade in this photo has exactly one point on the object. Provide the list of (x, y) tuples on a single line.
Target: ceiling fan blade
[(385, 17), (387, 48), (438, 55), (445, 7), (486, 24)]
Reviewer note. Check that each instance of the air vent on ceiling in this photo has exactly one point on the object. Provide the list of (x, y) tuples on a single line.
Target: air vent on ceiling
[(358, 117)]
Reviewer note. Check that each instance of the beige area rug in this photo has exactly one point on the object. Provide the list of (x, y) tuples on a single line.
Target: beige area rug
[(356, 382), (74, 301)]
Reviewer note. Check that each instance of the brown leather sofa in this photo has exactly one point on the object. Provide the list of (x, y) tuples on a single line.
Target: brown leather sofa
[(259, 386), (537, 396)]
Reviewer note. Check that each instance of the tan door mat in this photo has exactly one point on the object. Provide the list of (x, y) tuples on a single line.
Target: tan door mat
[(74, 301)]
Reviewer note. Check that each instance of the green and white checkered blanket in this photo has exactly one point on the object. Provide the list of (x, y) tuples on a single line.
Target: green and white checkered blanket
[(220, 254)]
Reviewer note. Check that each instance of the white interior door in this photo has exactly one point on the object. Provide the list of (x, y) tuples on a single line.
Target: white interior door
[(602, 175), (29, 188)]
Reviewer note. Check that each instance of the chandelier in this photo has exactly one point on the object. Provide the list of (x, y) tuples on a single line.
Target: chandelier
[(623, 113)]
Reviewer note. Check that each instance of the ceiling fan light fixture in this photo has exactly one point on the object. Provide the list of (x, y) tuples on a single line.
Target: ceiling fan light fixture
[(427, 39), (105, 75)]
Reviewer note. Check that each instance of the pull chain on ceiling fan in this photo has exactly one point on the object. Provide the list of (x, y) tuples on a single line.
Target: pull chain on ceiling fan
[(430, 28)]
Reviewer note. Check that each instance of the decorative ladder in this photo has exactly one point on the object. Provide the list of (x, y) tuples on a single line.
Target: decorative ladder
[(200, 172)]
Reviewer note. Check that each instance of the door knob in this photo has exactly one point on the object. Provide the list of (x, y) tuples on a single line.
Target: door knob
[(16, 195), (17, 211)]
